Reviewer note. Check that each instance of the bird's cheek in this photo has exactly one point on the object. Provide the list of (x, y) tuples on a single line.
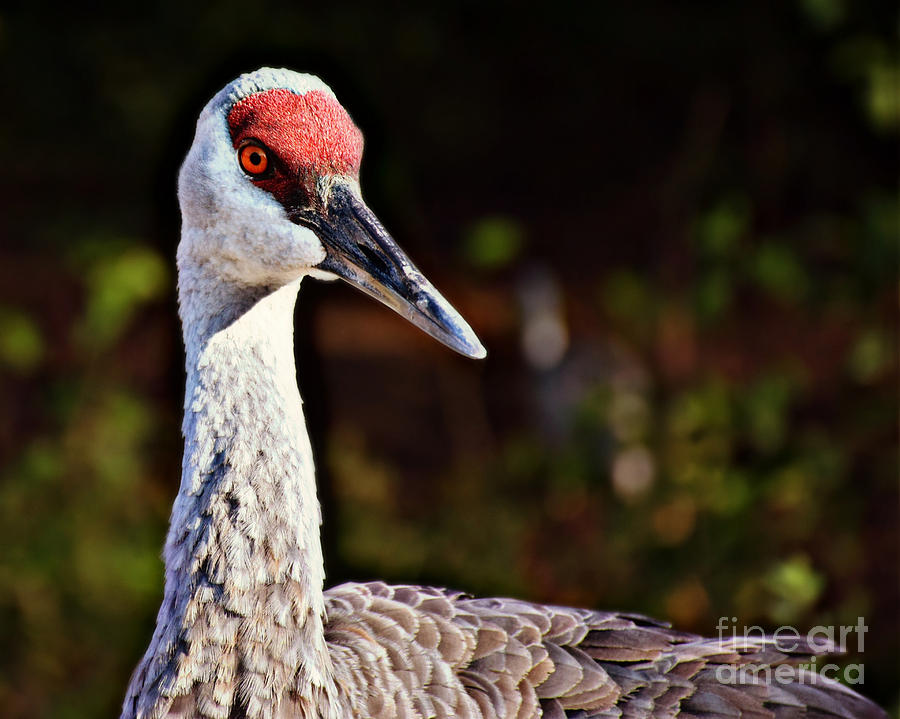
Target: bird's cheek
[(281, 253), (285, 253), (306, 250)]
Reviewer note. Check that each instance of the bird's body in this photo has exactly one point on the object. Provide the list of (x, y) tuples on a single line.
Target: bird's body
[(269, 194)]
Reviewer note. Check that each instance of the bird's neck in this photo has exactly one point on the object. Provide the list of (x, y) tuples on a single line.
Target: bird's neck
[(247, 473), (243, 598)]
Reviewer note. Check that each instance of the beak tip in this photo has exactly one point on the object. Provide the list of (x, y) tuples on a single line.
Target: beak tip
[(464, 341), (478, 352)]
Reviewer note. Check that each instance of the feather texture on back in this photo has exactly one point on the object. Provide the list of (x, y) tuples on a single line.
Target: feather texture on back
[(404, 651)]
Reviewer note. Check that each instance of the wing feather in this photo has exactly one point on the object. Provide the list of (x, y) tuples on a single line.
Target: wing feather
[(405, 651)]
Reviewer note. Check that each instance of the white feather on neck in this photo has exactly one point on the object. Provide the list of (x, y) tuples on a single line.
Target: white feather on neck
[(243, 610)]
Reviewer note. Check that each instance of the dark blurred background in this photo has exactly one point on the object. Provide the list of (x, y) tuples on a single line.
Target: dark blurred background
[(673, 225)]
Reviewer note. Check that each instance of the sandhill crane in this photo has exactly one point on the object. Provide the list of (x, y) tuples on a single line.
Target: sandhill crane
[(269, 194)]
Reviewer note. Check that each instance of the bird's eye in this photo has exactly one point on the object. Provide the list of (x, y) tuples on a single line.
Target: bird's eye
[(254, 159)]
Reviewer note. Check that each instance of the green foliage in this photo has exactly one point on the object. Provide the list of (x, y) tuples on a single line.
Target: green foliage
[(795, 585), (875, 64), (630, 300), (95, 556), (493, 242), (21, 343), (118, 285), (79, 519), (719, 231), (873, 353), (825, 14), (777, 271)]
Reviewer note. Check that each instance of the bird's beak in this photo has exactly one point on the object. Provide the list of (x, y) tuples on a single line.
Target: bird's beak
[(359, 250)]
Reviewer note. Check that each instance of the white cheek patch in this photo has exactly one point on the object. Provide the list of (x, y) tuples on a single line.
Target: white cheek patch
[(309, 249)]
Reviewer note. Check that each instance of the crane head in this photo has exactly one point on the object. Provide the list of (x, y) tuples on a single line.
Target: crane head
[(269, 193)]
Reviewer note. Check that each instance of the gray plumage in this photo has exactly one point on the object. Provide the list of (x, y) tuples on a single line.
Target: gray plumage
[(245, 629)]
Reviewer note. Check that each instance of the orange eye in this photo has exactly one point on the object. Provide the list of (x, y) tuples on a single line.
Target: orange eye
[(253, 159)]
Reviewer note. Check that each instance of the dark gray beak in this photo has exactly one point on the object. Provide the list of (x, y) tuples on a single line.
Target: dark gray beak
[(359, 250)]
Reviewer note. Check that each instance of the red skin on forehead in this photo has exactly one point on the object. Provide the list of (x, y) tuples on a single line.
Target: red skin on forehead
[(310, 135)]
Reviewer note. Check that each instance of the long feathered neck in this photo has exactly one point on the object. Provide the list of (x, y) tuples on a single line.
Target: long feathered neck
[(242, 618)]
